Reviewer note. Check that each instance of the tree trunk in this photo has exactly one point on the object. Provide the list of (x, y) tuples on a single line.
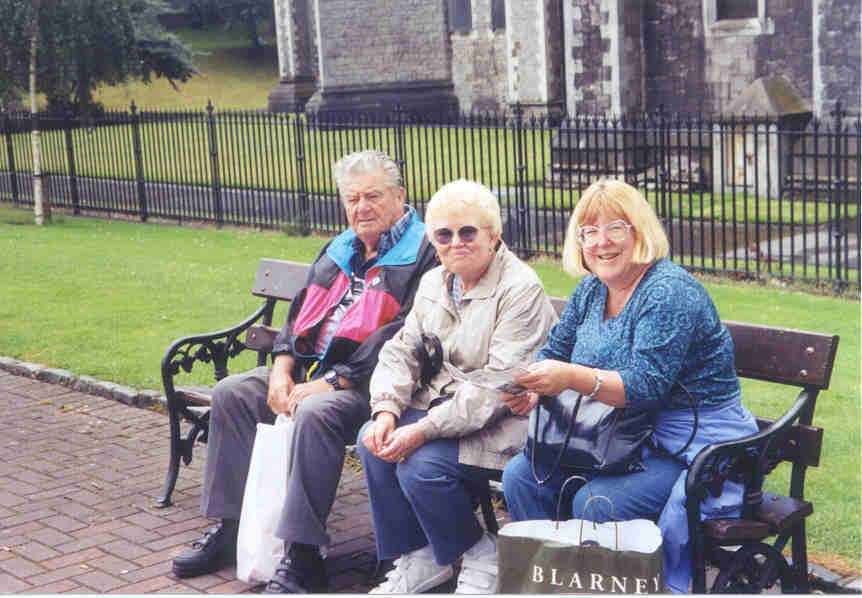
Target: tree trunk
[(41, 205)]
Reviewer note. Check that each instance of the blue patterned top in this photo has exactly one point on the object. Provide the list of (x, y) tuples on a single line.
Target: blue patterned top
[(668, 331)]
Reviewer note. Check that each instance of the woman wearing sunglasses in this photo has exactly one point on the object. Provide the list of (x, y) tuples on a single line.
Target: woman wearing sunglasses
[(642, 333), (427, 438)]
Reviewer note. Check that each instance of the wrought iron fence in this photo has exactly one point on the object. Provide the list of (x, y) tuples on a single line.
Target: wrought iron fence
[(741, 195)]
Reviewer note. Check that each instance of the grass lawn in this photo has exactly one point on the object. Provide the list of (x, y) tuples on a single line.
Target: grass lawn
[(230, 76), (105, 298)]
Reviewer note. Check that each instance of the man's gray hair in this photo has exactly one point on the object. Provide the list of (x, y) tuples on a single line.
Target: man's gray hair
[(363, 162)]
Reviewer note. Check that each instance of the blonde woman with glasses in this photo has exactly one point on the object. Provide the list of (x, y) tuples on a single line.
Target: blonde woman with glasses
[(639, 332)]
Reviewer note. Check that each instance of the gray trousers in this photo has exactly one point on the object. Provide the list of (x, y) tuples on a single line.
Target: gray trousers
[(325, 424)]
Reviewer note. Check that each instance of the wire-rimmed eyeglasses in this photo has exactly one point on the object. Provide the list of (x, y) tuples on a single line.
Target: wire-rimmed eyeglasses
[(615, 231)]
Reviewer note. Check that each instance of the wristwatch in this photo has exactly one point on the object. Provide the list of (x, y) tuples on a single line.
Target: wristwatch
[(332, 377)]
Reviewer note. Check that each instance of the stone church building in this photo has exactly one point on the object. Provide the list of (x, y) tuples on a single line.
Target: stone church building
[(564, 56)]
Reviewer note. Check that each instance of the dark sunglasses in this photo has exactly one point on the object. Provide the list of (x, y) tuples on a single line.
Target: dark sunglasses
[(466, 233)]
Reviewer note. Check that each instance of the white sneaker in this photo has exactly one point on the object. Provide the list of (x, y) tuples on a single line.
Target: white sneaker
[(413, 575), (478, 574)]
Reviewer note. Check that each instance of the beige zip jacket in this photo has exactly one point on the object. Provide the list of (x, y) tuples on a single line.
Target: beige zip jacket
[(502, 322)]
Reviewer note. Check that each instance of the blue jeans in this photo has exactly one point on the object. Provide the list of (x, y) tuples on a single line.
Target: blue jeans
[(423, 499), (634, 495)]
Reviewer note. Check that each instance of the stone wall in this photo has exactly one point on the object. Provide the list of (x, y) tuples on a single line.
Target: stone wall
[(588, 85), (788, 51), (839, 55), (693, 65), (479, 63), (632, 59), (615, 56), (382, 41), (675, 56)]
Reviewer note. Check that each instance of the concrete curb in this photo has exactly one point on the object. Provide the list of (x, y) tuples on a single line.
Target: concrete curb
[(109, 390)]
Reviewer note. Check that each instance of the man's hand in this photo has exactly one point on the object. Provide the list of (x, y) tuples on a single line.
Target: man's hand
[(377, 435), (521, 404), (281, 384), (302, 391)]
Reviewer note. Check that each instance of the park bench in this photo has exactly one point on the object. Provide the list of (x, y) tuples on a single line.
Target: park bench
[(736, 547)]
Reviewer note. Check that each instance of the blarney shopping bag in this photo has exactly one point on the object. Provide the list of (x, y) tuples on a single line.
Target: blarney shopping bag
[(580, 557), (258, 550)]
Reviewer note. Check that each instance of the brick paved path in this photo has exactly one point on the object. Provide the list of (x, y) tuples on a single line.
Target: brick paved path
[(78, 477), (79, 474)]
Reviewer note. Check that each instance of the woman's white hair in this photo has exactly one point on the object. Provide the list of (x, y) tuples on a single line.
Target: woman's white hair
[(463, 193)]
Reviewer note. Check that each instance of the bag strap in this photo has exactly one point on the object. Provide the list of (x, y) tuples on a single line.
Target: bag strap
[(613, 516), (693, 404), (563, 493), (565, 444)]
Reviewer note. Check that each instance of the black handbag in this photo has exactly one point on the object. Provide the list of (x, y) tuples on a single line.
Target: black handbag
[(575, 433)]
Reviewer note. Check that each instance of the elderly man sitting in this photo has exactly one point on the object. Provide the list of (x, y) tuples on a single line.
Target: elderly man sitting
[(358, 293)]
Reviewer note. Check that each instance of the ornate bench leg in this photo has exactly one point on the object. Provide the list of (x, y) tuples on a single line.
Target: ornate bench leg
[(753, 568), (173, 463), (800, 559)]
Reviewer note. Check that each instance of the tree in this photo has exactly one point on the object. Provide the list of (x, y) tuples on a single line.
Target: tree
[(65, 49), (15, 41), (86, 43), (41, 207), (247, 14)]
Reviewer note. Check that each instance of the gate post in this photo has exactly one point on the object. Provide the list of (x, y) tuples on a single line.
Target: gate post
[(10, 150), (835, 197), (139, 162), (216, 182), (70, 157)]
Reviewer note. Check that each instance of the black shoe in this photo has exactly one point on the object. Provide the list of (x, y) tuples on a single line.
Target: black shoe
[(300, 572), (216, 550)]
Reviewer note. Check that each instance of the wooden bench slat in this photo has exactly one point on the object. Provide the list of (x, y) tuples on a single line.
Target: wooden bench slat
[(783, 355), (776, 514), (279, 279), (196, 395), (803, 444), (260, 337), (733, 531)]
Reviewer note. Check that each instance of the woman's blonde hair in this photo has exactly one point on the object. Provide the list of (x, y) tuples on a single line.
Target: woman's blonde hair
[(461, 194), (615, 198)]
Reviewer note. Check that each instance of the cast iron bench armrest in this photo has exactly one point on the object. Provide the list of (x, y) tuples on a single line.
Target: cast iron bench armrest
[(275, 280), (748, 461), (755, 455), (216, 347)]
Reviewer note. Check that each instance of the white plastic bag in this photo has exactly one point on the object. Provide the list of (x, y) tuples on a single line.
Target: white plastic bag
[(258, 550)]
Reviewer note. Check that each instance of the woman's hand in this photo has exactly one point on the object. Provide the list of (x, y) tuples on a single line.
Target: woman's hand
[(521, 404), (546, 377), (377, 435), (402, 442)]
